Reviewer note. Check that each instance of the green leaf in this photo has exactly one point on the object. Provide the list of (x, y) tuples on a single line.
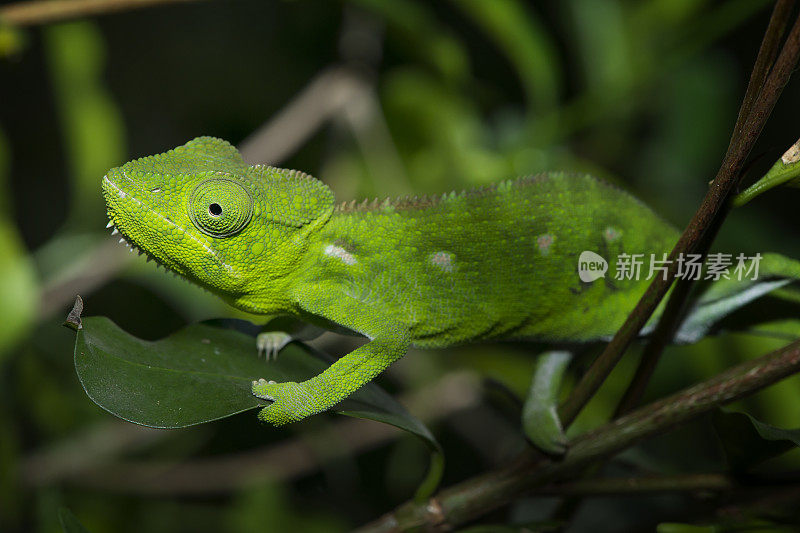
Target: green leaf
[(91, 122), (19, 288), (724, 296), (786, 329), (202, 373), (525, 40), (69, 523), (747, 441), (540, 413)]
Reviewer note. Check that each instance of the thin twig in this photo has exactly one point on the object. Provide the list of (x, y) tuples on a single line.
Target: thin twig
[(639, 485), (42, 12), (714, 201), (665, 329), (676, 304), (325, 97), (83, 276), (472, 498)]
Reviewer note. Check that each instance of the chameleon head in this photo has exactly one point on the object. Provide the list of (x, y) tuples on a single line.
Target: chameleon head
[(201, 211)]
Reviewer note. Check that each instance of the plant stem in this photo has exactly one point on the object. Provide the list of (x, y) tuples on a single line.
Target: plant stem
[(42, 12), (753, 115), (665, 329), (639, 485), (466, 501)]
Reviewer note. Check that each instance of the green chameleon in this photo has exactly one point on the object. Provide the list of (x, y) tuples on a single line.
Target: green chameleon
[(499, 262)]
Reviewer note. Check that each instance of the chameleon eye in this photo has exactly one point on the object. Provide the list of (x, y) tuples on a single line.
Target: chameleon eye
[(220, 207)]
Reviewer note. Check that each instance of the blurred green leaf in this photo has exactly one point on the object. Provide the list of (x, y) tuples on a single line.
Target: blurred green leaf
[(725, 296), (268, 508), (92, 124), (608, 58), (747, 441), (12, 40), (519, 33), (69, 522), (19, 286), (540, 413), (673, 527), (19, 291), (786, 329), (432, 42)]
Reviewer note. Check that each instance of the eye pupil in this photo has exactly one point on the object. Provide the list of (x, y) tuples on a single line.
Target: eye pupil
[(215, 210)]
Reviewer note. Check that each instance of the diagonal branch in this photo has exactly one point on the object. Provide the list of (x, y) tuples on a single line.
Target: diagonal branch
[(676, 304), (468, 500), (744, 137)]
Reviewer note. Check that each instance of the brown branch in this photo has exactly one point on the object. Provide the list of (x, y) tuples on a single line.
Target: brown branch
[(639, 485), (676, 305), (468, 500), (42, 12), (664, 331), (727, 177)]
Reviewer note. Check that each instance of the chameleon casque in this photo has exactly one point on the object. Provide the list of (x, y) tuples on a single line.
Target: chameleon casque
[(499, 262)]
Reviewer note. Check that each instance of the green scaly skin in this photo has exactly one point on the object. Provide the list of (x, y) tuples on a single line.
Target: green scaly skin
[(493, 263)]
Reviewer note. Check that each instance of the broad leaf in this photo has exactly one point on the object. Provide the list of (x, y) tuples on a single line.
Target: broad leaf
[(725, 296), (747, 441), (204, 372), (540, 413)]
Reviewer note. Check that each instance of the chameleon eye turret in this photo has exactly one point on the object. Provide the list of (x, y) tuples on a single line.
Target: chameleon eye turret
[(220, 207)]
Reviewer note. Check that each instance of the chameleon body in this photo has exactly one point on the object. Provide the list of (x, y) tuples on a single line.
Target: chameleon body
[(494, 263)]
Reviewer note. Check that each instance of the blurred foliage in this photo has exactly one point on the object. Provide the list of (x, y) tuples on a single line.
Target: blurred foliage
[(69, 522), (20, 292), (91, 124), (460, 93)]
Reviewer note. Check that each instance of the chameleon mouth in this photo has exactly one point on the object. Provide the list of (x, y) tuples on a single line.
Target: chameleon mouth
[(124, 209), (110, 189), (134, 248)]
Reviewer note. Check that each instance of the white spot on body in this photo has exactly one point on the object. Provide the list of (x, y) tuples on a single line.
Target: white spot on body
[(611, 234), (340, 253), (443, 260), (543, 243)]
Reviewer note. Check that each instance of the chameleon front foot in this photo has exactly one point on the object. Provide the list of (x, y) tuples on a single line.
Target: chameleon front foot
[(271, 342), (290, 401)]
